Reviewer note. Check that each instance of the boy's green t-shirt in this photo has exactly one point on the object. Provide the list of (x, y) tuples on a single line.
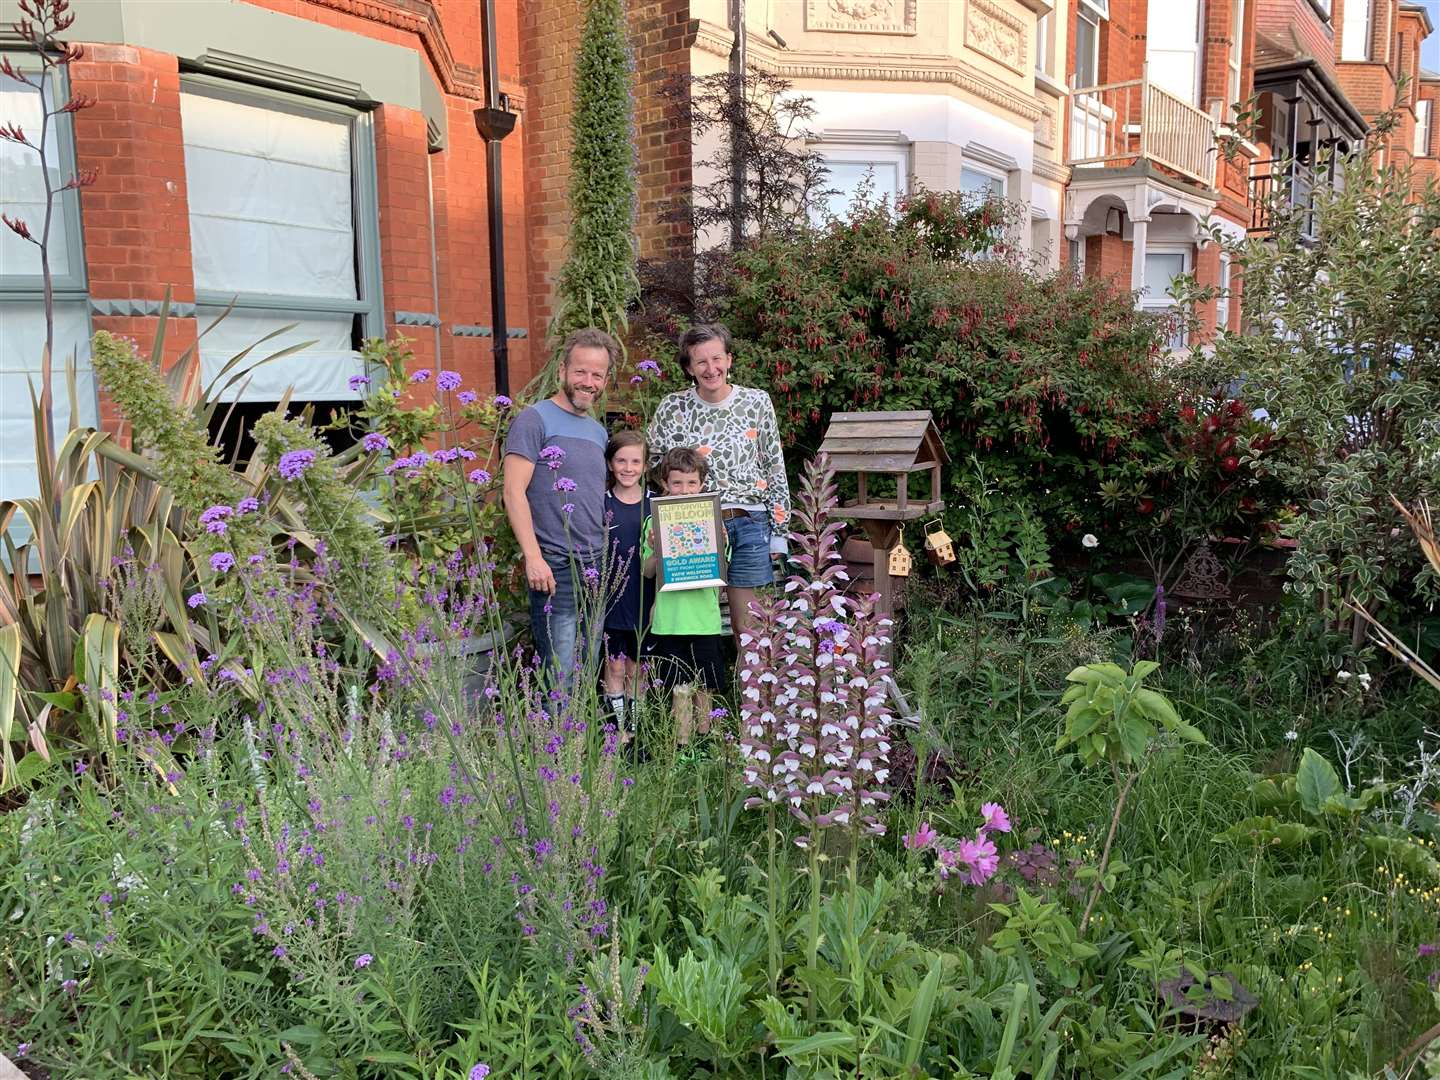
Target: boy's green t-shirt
[(687, 612)]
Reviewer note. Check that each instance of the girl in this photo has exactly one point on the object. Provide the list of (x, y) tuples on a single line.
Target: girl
[(628, 612)]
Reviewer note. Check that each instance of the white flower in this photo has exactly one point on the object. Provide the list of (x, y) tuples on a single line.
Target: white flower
[(1089, 540), (1343, 675), (1291, 735), (1364, 678)]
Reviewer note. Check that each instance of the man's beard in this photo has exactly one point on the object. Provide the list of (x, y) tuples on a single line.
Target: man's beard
[(570, 392)]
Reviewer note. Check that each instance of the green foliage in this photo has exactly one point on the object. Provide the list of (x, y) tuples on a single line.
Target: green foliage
[(436, 507), (1113, 717), (1046, 932), (188, 466), (598, 281), (1056, 391), (1349, 373)]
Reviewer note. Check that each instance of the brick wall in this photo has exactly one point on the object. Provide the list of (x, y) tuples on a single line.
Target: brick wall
[(661, 34), (135, 218), (1296, 27)]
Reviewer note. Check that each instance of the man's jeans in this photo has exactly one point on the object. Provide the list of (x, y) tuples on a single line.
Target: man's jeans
[(562, 620)]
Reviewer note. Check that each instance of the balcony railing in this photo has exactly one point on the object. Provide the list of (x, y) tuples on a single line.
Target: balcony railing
[(1126, 121), (1291, 182)]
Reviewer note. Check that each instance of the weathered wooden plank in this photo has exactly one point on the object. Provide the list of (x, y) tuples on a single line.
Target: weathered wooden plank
[(888, 511), (913, 430), (916, 414), (875, 463), (836, 444), (878, 463)]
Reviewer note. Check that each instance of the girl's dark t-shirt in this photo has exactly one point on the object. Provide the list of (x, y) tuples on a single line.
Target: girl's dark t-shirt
[(631, 595)]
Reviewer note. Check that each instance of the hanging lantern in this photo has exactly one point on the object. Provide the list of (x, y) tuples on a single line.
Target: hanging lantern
[(939, 548), (900, 559)]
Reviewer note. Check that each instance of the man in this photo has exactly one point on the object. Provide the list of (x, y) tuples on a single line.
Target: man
[(555, 495)]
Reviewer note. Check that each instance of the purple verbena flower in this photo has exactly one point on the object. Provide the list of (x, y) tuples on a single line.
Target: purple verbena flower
[(467, 397), (448, 380), (358, 382), (420, 376), (197, 600), (478, 1071), (564, 484), (374, 442), (222, 561), (294, 463), (502, 402), (363, 960), (247, 505), (479, 476)]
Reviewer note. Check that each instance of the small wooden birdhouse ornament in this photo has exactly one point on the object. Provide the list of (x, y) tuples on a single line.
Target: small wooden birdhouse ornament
[(900, 559), (939, 548)]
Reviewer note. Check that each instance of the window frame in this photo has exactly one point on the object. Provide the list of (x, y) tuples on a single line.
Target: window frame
[(369, 303), (1347, 42), (1235, 61), (1044, 43), (856, 152), (1084, 14), (74, 283), (1165, 302), (1222, 302), (1424, 123)]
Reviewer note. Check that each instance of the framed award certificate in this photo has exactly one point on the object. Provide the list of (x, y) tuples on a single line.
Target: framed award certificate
[(689, 541)]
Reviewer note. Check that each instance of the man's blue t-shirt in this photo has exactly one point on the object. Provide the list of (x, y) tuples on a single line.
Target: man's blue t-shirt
[(572, 474)]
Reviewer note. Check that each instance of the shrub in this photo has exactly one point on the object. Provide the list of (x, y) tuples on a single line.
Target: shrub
[(1344, 358), (1057, 388)]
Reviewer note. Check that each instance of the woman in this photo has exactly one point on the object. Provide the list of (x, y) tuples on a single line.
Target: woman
[(734, 427)]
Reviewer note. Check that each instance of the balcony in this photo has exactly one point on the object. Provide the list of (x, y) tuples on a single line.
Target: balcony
[(1125, 122), (1277, 183)]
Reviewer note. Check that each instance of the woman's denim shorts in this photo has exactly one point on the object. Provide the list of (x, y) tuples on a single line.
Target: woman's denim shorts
[(749, 550)]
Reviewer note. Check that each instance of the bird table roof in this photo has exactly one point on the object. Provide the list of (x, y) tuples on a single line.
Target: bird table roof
[(883, 442)]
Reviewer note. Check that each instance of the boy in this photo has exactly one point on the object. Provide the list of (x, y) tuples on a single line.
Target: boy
[(685, 629)]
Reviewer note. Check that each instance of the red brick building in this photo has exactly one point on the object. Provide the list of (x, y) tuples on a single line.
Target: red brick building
[(1154, 81), (1152, 84), (316, 162)]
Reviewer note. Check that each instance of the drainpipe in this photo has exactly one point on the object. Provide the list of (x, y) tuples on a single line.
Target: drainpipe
[(737, 126), (494, 122)]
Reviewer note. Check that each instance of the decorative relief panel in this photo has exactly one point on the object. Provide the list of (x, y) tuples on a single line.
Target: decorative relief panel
[(994, 32), (1045, 128), (861, 16)]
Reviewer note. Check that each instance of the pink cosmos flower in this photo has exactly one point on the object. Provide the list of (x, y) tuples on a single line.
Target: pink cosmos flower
[(995, 817)]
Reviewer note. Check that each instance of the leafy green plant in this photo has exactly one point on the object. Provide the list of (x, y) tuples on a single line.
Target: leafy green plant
[(1113, 718), (1043, 928), (1341, 296), (598, 280)]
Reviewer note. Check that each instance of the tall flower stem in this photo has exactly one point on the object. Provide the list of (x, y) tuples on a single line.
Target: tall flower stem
[(813, 946), (770, 880)]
